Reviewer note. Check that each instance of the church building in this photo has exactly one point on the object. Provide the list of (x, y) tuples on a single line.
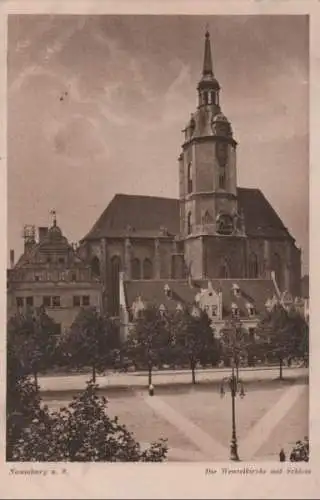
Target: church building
[(215, 232)]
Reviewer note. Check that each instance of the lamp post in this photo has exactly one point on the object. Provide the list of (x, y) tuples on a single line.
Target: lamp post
[(236, 387)]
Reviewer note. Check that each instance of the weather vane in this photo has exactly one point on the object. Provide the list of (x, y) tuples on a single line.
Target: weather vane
[(54, 216)]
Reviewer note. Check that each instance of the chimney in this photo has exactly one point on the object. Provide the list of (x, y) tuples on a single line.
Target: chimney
[(42, 233), (11, 259)]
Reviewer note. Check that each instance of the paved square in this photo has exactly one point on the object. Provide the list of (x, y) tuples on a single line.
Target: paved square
[(197, 422)]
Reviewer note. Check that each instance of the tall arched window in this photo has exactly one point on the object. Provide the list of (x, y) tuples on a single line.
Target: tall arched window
[(147, 269), (223, 270), (189, 176), (277, 268), (135, 269), (189, 223), (115, 285), (253, 266), (95, 266)]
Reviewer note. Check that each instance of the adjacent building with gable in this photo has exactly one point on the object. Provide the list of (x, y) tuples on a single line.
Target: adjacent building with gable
[(51, 275)]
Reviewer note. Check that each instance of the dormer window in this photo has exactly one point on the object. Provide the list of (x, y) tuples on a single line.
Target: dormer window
[(162, 309), (251, 310), (214, 311), (234, 310), (236, 290)]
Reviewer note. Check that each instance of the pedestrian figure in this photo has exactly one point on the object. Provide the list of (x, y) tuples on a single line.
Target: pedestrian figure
[(282, 455), (151, 390)]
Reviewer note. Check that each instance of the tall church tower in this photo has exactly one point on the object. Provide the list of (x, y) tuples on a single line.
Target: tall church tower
[(211, 226)]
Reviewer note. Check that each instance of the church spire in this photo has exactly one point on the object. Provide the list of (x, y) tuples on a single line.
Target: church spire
[(208, 87), (207, 61)]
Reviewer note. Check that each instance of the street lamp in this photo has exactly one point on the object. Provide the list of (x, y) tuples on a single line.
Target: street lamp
[(236, 388)]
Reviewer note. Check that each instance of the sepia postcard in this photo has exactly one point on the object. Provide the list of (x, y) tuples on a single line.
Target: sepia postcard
[(160, 188)]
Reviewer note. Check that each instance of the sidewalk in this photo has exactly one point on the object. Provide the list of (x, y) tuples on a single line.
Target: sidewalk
[(118, 382)]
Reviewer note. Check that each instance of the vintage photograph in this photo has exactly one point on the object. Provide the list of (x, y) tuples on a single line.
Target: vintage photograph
[(158, 238)]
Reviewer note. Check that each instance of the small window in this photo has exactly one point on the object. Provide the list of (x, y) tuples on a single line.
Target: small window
[(214, 310), (189, 178), (76, 301), (251, 311), (19, 301), (61, 260), (251, 333), (73, 277), (29, 301), (235, 311), (46, 301), (36, 277), (48, 260), (56, 301), (189, 224), (222, 180), (86, 300)]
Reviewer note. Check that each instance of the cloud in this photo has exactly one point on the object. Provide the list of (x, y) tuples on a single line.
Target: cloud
[(176, 100)]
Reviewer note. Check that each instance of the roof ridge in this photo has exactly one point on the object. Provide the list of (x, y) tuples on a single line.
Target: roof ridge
[(153, 197)]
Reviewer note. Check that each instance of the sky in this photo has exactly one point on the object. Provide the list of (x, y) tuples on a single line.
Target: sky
[(96, 106)]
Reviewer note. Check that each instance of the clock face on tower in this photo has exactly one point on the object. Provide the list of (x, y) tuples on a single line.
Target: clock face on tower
[(224, 224), (222, 153)]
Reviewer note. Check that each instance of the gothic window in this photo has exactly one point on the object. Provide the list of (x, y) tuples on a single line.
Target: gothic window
[(147, 269), (135, 269), (114, 292), (189, 223), (224, 271), (95, 266), (222, 153), (207, 219), (189, 175), (253, 266)]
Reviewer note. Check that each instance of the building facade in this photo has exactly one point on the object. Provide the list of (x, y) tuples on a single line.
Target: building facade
[(51, 275), (215, 230)]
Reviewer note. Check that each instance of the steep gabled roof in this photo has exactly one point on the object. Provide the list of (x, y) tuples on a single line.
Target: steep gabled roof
[(259, 216), (253, 291), (146, 214)]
